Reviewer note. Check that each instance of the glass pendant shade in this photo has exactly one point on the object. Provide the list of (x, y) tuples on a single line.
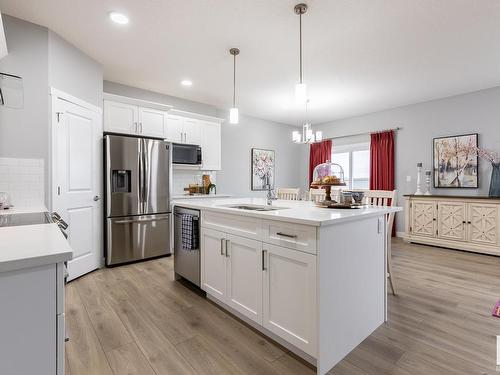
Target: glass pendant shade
[(300, 93), (296, 137), (234, 117), (319, 136)]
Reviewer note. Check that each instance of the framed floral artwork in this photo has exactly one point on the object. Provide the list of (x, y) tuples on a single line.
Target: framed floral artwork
[(456, 162), (262, 166)]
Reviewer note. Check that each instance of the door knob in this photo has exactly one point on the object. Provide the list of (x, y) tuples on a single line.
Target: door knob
[(96, 198)]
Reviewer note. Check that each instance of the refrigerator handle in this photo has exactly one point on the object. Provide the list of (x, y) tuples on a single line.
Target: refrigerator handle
[(140, 177)]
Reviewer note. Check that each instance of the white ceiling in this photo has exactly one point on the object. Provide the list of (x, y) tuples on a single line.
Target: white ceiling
[(360, 55)]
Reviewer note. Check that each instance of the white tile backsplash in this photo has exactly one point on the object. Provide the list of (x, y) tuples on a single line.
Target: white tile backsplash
[(23, 180), (182, 178)]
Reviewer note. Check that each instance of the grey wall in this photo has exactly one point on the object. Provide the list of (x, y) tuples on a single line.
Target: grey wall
[(237, 142), (178, 103), (42, 59), (73, 72), (477, 112), (24, 132)]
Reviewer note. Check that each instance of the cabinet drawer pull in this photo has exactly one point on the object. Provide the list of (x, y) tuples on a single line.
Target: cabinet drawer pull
[(222, 242), (286, 235), (228, 243), (264, 253)]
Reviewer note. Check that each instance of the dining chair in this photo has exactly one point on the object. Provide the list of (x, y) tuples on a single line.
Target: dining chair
[(317, 195), (385, 198), (289, 194)]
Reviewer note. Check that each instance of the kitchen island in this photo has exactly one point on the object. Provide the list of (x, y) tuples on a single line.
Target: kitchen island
[(313, 279)]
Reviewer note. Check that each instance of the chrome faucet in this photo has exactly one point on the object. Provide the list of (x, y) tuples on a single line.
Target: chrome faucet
[(270, 194)]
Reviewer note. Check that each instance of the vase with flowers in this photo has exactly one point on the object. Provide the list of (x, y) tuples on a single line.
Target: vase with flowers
[(494, 159)]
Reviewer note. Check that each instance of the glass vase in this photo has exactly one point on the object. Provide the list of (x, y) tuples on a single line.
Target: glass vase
[(495, 180)]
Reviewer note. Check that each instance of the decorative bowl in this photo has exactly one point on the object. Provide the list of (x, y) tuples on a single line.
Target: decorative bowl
[(358, 196)]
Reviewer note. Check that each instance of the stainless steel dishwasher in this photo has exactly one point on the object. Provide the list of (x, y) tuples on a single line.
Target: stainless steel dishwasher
[(186, 262)]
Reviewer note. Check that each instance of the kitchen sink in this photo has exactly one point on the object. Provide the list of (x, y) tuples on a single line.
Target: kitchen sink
[(252, 207)]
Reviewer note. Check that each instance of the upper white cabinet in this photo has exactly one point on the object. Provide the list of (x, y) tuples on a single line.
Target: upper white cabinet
[(137, 117), (132, 119), (120, 117), (183, 130)]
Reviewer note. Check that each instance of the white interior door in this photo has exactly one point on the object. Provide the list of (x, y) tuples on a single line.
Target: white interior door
[(76, 174)]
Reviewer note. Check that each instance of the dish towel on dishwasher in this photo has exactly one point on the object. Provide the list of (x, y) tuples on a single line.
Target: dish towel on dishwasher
[(189, 232)]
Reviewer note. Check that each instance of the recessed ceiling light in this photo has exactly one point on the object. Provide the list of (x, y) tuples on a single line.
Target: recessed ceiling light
[(187, 82), (118, 18)]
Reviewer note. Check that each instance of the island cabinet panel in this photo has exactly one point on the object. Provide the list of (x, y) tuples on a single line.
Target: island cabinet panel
[(451, 220), (244, 276), (463, 223), (214, 263), (294, 236), (290, 296), (243, 226)]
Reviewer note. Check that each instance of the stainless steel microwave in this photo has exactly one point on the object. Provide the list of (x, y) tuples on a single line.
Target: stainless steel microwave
[(186, 154)]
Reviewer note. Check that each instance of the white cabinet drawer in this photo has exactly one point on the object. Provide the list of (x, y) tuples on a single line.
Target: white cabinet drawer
[(235, 224), (294, 236)]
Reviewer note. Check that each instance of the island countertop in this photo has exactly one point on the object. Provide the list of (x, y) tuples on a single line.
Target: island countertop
[(300, 212)]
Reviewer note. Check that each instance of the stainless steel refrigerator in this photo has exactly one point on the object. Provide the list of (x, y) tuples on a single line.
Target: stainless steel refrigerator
[(138, 214)]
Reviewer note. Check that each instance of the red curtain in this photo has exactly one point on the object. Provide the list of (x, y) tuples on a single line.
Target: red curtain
[(382, 163), (319, 153)]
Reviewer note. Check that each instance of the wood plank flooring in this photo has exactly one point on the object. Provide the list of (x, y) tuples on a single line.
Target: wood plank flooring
[(135, 320)]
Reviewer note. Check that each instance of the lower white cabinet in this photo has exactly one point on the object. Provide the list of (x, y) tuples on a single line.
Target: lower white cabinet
[(272, 285), (32, 332), (290, 296), (244, 276), (214, 263)]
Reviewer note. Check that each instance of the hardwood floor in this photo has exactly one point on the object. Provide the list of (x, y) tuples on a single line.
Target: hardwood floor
[(135, 320)]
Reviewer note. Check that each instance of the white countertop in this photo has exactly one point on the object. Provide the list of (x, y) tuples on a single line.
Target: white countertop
[(200, 196), (27, 246), (301, 212), (22, 210)]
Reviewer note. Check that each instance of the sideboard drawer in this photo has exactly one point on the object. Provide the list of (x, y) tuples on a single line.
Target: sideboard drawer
[(235, 224), (294, 236)]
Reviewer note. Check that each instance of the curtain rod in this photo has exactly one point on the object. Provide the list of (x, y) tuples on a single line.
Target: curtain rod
[(365, 133)]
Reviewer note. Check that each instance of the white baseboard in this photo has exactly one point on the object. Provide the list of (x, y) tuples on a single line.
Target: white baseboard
[(400, 234)]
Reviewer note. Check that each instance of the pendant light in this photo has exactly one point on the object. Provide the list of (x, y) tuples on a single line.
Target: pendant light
[(233, 112), (300, 87)]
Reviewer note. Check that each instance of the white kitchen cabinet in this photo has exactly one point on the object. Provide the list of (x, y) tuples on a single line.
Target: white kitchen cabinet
[(289, 296), (120, 117), (424, 218), (192, 131), (183, 130), (483, 224), (214, 263), (152, 122), (32, 321), (126, 118), (174, 132), (211, 146), (232, 271), (244, 276)]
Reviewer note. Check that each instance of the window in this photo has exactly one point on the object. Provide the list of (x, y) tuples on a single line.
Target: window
[(355, 160)]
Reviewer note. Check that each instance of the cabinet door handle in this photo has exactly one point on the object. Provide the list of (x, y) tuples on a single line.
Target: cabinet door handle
[(140, 124), (135, 127), (228, 243), (222, 242), (264, 254), (286, 235)]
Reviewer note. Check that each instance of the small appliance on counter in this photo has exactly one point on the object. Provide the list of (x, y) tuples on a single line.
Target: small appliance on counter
[(138, 213)]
